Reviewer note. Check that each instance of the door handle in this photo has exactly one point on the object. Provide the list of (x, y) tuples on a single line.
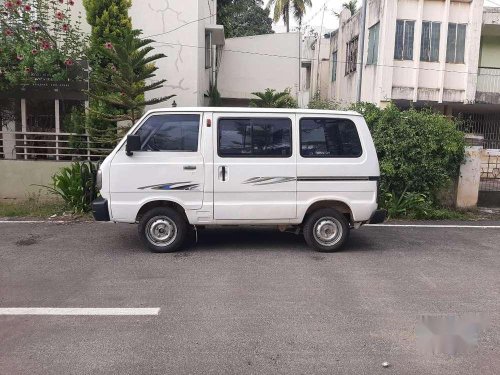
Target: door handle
[(222, 173), (189, 167)]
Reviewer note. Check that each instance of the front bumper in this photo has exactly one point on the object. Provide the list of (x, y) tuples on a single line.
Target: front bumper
[(100, 209), (378, 217)]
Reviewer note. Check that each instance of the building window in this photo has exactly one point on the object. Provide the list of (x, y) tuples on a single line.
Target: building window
[(429, 44), (170, 133), (372, 45), (334, 66), (255, 137), (351, 56), (329, 138), (403, 49), (208, 50), (455, 45)]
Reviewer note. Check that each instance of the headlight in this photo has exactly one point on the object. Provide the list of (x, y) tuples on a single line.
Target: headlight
[(98, 180)]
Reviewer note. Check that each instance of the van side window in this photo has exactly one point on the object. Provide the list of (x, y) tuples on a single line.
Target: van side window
[(255, 137), (175, 132), (329, 137)]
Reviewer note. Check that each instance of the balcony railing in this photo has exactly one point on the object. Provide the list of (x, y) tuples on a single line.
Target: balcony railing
[(488, 80), (49, 146)]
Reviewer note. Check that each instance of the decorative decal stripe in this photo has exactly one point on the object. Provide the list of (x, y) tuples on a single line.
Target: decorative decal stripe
[(279, 180), (338, 178), (268, 180), (172, 186)]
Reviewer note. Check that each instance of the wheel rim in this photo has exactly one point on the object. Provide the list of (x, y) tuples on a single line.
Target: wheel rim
[(161, 231), (327, 231)]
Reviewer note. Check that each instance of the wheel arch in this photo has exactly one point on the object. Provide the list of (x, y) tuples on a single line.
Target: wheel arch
[(339, 205), (160, 203)]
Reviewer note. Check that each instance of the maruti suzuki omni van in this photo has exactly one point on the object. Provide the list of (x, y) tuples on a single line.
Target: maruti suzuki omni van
[(314, 171)]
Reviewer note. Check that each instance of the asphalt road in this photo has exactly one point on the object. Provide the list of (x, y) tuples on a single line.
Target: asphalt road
[(245, 301)]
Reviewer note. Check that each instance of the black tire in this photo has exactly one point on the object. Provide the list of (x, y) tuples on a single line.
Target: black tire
[(334, 224), (171, 222)]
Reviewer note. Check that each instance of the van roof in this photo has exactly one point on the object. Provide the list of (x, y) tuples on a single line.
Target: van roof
[(253, 110)]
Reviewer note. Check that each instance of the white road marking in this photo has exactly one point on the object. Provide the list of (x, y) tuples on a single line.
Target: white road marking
[(435, 226), (78, 311), (33, 221)]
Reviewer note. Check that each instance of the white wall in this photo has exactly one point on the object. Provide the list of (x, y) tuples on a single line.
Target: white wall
[(184, 66), (254, 63)]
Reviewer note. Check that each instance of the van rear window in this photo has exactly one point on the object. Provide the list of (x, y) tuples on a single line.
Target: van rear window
[(329, 138), (255, 137)]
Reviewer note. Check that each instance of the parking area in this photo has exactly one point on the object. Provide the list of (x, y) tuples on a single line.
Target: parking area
[(245, 301)]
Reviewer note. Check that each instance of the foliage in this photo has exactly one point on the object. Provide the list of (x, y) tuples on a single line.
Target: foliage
[(130, 66), (317, 103), (410, 205), (351, 5), (214, 96), (272, 99), (76, 185), (38, 39), (419, 151), (282, 8), (243, 18), (74, 123), (110, 21)]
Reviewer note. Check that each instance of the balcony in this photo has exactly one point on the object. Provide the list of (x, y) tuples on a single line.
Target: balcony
[(488, 86)]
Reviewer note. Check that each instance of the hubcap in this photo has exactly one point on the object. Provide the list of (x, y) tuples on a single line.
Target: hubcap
[(327, 231), (161, 231)]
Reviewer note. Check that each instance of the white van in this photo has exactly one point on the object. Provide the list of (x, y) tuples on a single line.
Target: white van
[(178, 169)]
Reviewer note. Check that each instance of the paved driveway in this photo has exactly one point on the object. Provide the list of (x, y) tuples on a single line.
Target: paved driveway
[(245, 301)]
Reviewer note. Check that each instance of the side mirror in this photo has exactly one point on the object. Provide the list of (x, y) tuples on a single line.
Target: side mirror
[(133, 144)]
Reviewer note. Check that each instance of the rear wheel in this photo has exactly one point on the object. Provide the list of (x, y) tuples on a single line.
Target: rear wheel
[(163, 230), (326, 230)]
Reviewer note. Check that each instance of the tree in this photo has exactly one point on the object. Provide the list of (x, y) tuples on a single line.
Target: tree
[(273, 99), (38, 39), (129, 68), (282, 8), (351, 5), (109, 20), (244, 18)]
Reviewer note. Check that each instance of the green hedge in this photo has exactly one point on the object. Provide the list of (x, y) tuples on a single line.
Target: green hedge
[(419, 152)]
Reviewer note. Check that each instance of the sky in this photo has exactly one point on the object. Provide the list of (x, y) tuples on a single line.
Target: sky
[(314, 14)]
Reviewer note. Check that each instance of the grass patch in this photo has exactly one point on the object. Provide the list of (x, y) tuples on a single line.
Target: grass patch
[(31, 208)]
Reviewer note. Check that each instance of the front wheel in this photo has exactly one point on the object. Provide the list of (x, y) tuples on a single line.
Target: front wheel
[(326, 230), (163, 230)]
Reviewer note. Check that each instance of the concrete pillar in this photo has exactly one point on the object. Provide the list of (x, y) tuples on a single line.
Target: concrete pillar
[(24, 126), (58, 125), (470, 173), (9, 140)]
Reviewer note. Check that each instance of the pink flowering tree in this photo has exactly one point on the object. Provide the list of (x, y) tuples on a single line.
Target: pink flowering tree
[(39, 39)]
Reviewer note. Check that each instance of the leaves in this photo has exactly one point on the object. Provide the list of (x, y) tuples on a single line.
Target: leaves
[(243, 18), (76, 185), (40, 39), (273, 99), (122, 83)]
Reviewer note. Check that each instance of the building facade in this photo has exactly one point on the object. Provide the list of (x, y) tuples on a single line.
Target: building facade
[(442, 54), (33, 118)]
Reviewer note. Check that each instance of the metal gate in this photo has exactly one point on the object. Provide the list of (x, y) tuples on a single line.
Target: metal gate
[(489, 186)]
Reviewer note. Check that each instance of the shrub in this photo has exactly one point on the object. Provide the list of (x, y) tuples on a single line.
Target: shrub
[(76, 185), (317, 103), (273, 99), (419, 151)]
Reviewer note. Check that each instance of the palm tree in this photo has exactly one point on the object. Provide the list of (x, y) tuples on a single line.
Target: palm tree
[(282, 9), (273, 99), (352, 5)]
